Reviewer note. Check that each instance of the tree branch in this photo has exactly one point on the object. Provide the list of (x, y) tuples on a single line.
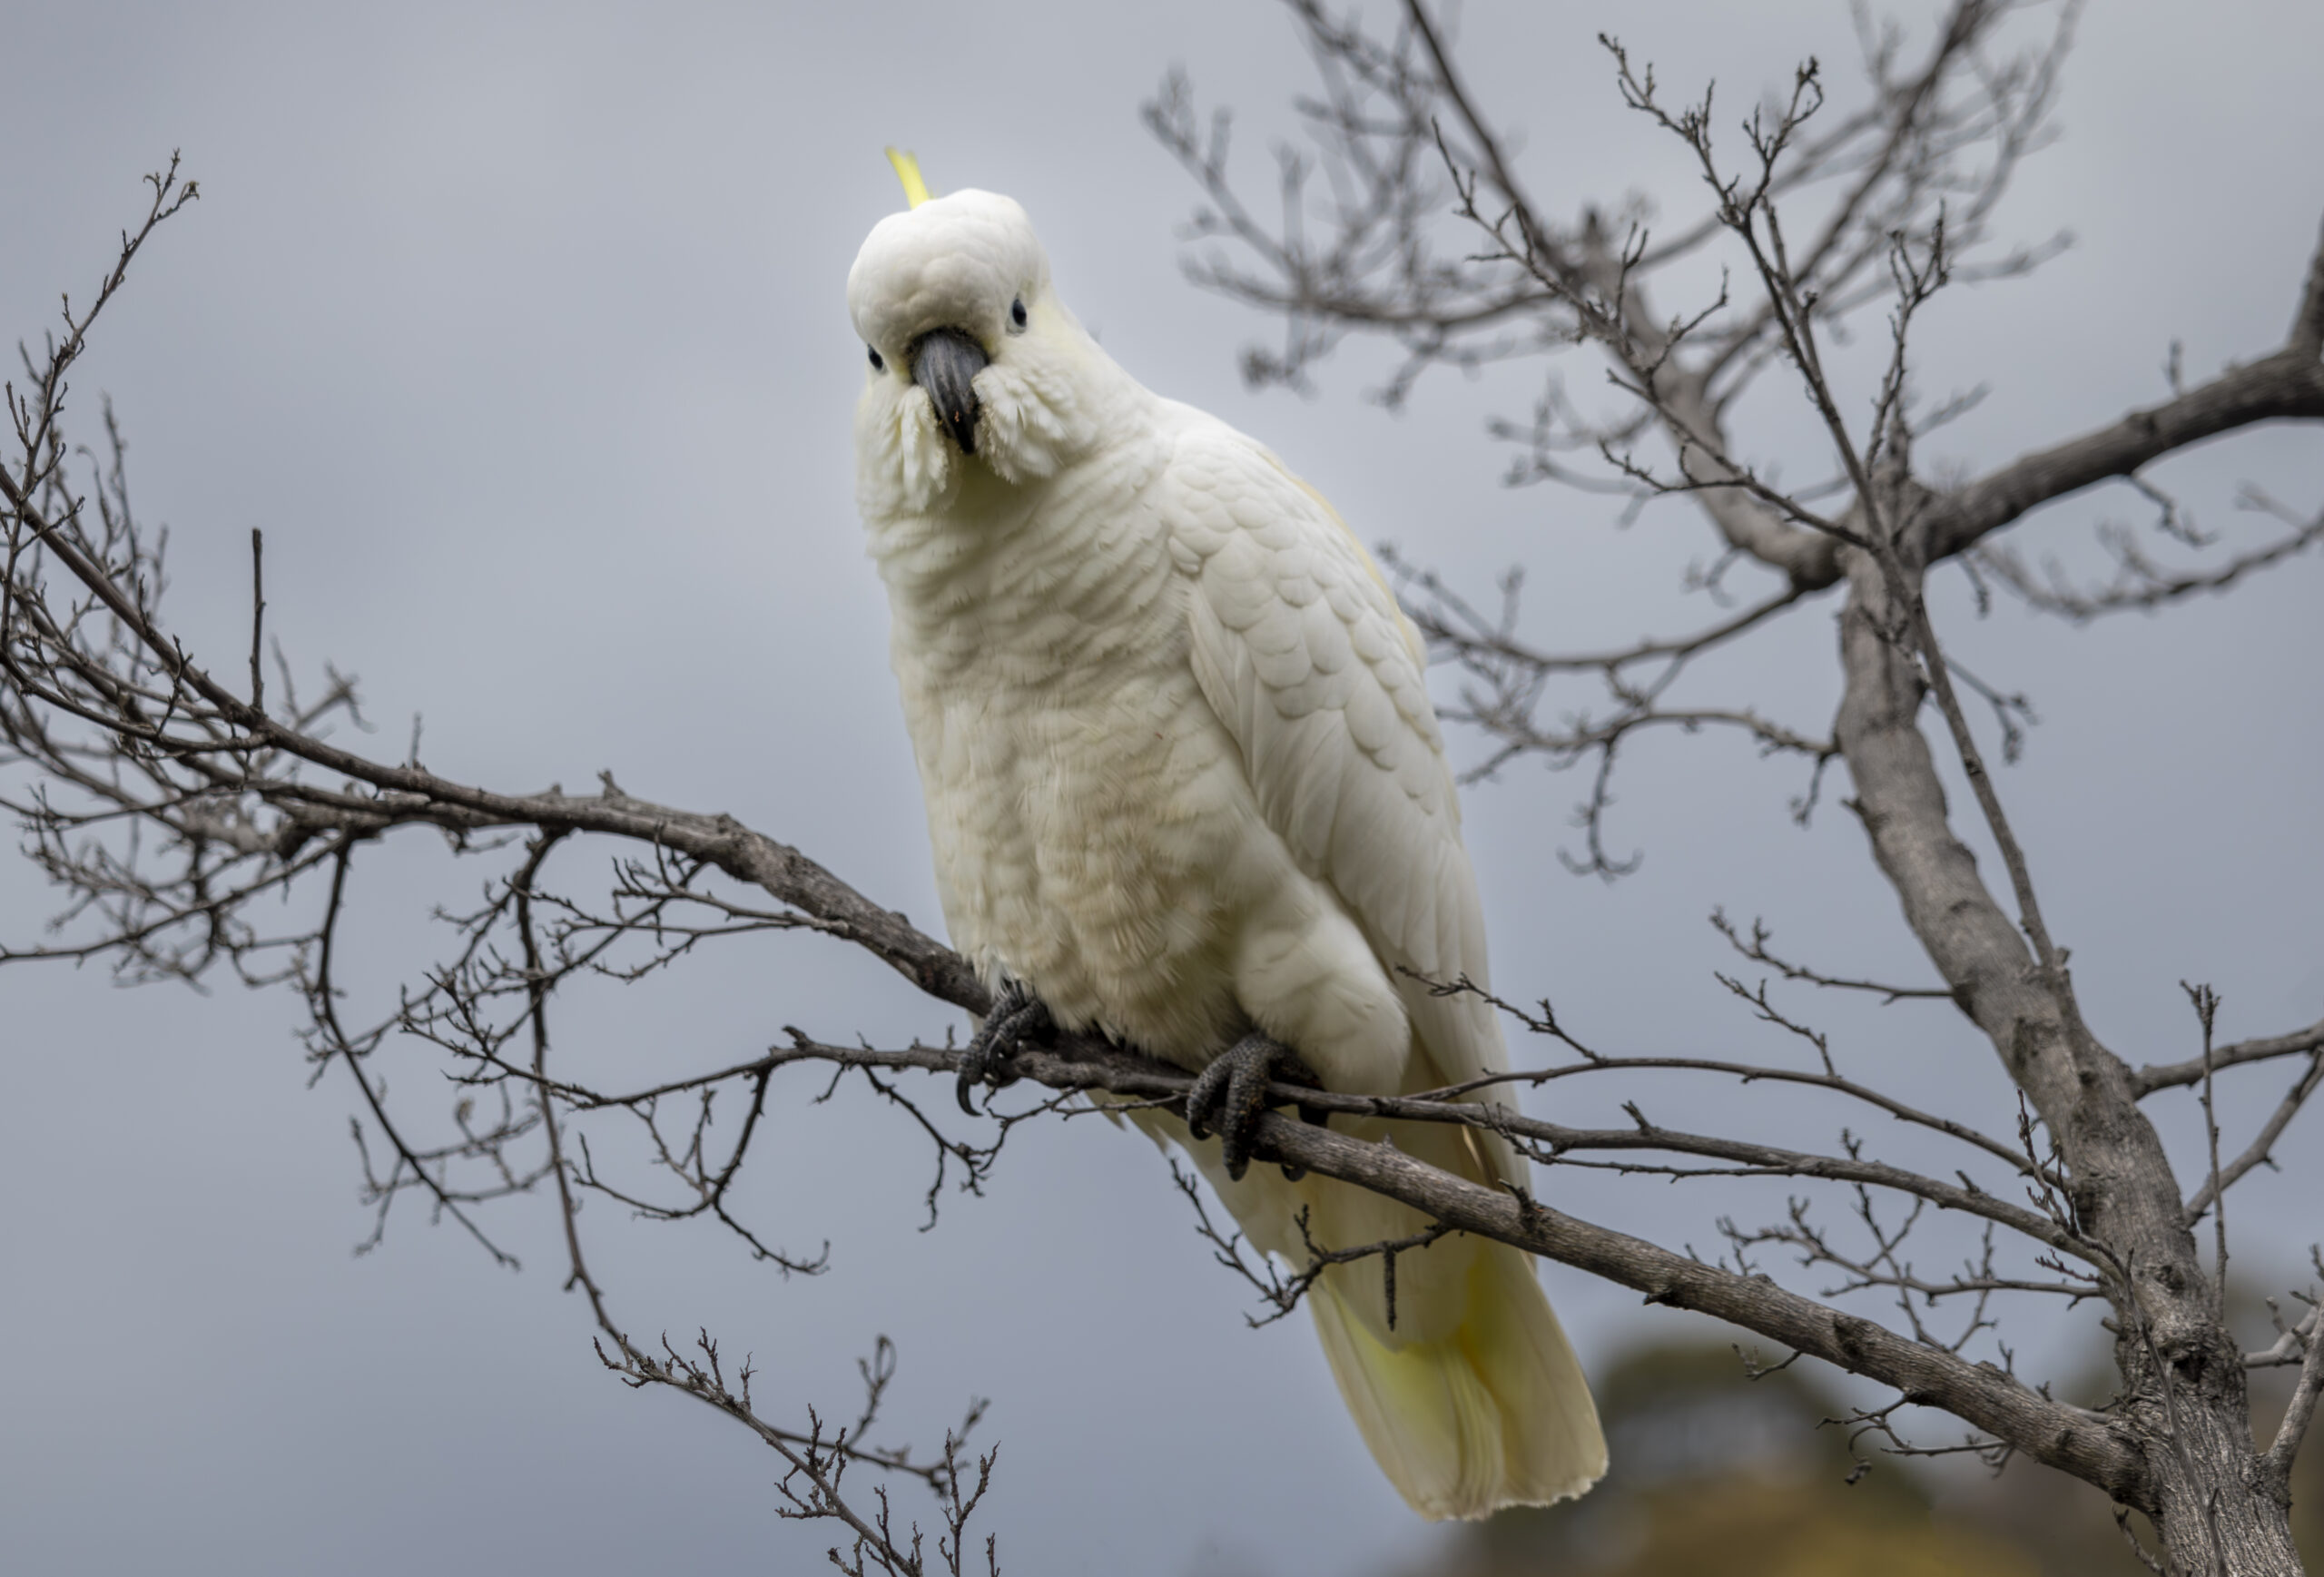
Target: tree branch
[(2171, 1075), (2286, 386), (2259, 1151)]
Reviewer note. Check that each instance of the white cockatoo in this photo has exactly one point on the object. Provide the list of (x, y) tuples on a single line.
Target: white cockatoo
[(1186, 788)]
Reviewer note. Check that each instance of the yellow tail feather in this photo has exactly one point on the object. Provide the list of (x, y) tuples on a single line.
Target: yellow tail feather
[(1473, 1399), (1495, 1414)]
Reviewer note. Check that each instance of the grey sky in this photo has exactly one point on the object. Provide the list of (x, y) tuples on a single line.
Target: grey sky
[(520, 331)]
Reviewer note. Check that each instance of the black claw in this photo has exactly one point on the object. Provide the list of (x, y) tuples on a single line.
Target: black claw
[(1230, 1093), (1018, 1017)]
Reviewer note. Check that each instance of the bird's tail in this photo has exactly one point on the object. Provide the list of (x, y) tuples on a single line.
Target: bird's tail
[(1493, 1412), (1460, 1379)]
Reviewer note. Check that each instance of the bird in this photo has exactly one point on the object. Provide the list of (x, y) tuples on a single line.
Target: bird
[(1185, 789)]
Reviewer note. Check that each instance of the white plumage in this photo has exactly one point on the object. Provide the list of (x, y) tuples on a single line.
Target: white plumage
[(1184, 780)]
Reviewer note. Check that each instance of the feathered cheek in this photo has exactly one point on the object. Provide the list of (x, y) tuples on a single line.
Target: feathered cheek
[(1018, 435), (926, 461)]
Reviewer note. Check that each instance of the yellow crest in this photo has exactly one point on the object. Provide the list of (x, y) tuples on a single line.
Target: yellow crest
[(916, 190)]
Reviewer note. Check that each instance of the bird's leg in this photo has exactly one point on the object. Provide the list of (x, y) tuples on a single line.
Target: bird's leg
[(1018, 1017), (1230, 1093)]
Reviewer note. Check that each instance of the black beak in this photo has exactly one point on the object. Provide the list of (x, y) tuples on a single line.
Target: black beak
[(945, 362)]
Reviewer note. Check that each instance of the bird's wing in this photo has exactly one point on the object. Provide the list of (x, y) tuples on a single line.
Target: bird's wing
[(1300, 648)]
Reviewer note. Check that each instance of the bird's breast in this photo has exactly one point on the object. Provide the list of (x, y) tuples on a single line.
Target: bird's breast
[(1087, 810)]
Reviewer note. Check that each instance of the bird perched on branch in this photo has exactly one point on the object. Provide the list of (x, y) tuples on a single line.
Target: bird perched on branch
[(1186, 788)]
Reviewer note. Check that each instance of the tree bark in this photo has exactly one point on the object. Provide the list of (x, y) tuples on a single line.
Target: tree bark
[(2186, 1392)]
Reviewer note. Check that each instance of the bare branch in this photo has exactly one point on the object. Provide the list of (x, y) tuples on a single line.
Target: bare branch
[(1756, 948), (2286, 385), (2308, 322), (2259, 1152), (2140, 582), (2172, 1075), (2087, 1445), (2299, 1413)]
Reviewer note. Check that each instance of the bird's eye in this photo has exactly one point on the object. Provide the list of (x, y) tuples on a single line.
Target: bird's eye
[(1017, 311), (877, 365)]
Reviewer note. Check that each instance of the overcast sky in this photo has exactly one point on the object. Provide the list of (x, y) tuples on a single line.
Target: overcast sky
[(521, 333)]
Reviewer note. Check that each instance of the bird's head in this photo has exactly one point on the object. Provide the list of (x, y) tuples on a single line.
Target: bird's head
[(971, 359)]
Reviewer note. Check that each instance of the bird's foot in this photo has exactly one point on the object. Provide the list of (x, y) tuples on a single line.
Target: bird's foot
[(1229, 1094), (1018, 1019)]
